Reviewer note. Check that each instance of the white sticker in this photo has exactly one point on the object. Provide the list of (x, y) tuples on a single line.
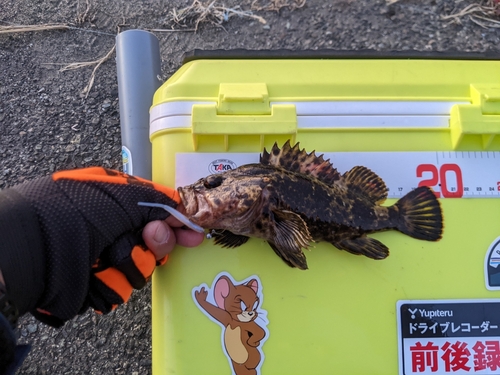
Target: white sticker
[(491, 263), (449, 174), (237, 308), (190, 167), (449, 337), (127, 161)]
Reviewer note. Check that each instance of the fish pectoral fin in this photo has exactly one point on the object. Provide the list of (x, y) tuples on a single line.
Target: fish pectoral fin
[(366, 182), (295, 258), (226, 238), (364, 245), (290, 235), (290, 227)]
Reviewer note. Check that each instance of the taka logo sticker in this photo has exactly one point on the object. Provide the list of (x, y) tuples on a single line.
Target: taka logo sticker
[(236, 307), (221, 165)]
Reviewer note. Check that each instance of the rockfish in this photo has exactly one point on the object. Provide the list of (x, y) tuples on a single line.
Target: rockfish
[(292, 198)]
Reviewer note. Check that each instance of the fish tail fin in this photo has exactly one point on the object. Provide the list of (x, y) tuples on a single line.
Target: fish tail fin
[(420, 214)]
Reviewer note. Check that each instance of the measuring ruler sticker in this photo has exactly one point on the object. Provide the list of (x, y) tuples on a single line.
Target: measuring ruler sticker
[(397, 169), (451, 174), (479, 172)]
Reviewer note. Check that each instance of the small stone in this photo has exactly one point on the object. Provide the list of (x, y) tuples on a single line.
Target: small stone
[(70, 148), (76, 139), (32, 328)]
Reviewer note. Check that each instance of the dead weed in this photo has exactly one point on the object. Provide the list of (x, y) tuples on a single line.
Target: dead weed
[(484, 13)]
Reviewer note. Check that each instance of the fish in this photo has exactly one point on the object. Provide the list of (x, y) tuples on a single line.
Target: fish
[(293, 198)]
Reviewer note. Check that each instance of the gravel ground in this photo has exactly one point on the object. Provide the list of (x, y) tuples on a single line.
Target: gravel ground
[(47, 124)]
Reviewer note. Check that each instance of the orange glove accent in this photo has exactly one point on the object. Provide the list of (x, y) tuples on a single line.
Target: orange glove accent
[(99, 174)]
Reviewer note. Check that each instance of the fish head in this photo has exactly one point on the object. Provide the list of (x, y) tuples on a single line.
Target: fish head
[(224, 200)]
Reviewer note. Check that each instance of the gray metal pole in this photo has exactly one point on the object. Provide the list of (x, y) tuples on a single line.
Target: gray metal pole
[(139, 70)]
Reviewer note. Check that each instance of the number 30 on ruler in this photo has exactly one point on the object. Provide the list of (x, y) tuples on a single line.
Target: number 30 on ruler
[(450, 180)]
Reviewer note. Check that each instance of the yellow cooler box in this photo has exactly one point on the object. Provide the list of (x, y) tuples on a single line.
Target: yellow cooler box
[(428, 308)]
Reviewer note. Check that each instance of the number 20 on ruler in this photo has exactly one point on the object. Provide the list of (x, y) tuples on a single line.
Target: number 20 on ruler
[(441, 177)]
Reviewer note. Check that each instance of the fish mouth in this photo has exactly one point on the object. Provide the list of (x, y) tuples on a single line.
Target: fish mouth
[(189, 201), (196, 207)]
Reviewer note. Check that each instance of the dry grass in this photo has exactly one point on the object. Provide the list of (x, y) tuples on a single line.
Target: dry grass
[(11, 29), (185, 19), (485, 14), (277, 5), (212, 13), (86, 15), (97, 64)]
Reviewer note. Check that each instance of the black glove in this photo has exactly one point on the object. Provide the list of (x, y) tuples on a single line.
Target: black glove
[(73, 240)]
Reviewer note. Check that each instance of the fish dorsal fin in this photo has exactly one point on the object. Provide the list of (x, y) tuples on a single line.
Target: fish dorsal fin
[(299, 161), (367, 183)]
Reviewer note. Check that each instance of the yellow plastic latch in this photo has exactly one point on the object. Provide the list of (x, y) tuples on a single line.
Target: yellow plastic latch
[(243, 99), (478, 121), (243, 109)]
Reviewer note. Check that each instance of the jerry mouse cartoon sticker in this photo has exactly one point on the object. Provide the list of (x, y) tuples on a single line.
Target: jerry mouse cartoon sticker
[(237, 308)]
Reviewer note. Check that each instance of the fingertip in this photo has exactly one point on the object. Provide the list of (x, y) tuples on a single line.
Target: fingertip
[(160, 238), (188, 237)]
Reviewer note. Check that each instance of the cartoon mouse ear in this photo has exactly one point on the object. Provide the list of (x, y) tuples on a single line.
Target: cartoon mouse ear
[(254, 284), (221, 290)]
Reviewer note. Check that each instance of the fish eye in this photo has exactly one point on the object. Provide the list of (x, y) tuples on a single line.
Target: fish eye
[(213, 181)]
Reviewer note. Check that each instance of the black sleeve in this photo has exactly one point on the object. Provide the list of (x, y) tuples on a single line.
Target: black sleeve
[(11, 355), (22, 259), (23, 268)]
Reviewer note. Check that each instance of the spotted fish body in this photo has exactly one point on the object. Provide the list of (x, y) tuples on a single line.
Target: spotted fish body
[(292, 198)]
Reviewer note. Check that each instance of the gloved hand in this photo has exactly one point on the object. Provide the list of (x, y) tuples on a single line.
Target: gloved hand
[(73, 240)]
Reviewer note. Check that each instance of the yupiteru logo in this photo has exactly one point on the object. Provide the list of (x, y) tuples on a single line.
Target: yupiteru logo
[(430, 313), (221, 165)]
